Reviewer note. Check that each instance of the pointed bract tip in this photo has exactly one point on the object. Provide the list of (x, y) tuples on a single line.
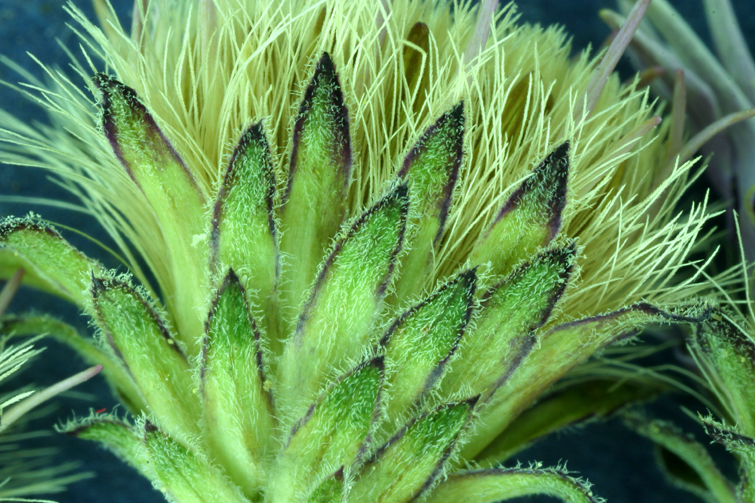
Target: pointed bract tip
[(568, 255), (548, 181), (98, 285), (472, 402), (557, 161), (453, 116), (230, 278), (563, 149), (449, 128), (400, 192), (101, 80), (253, 134), (456, 114), (325, 65), (108, 85), (565, 254), (470, 275), (468, 279), (378, 362), (338, 475), (398, 195)]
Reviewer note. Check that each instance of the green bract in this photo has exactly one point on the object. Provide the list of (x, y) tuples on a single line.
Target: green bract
[(357, 295), (725, 350), (336, 407)]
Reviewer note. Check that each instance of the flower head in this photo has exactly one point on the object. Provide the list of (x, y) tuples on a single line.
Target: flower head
[(373, 246)]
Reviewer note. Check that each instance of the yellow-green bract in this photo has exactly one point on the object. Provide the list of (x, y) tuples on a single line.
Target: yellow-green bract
[(371, 251)]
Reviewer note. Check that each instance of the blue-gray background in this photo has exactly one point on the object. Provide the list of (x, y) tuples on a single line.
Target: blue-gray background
[(619, 463)]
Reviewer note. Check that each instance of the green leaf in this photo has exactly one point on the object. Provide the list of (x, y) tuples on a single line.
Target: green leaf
[(170, 188), (531, 217), (115, 435), (686, 462), (345, 300), (420, 343), (510, 311), (334, 432), (243, 235), (414, 459), (185, 476), (499, 484), (576, 404), (743, 447), (330, 490), (141, 340), (118, 378), (314, 202), (432, 169), (50, 262), (728, 355), (559, 350), (238, 409)]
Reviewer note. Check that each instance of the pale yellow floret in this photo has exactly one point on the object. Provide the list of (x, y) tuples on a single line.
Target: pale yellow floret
[(235, 62)]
